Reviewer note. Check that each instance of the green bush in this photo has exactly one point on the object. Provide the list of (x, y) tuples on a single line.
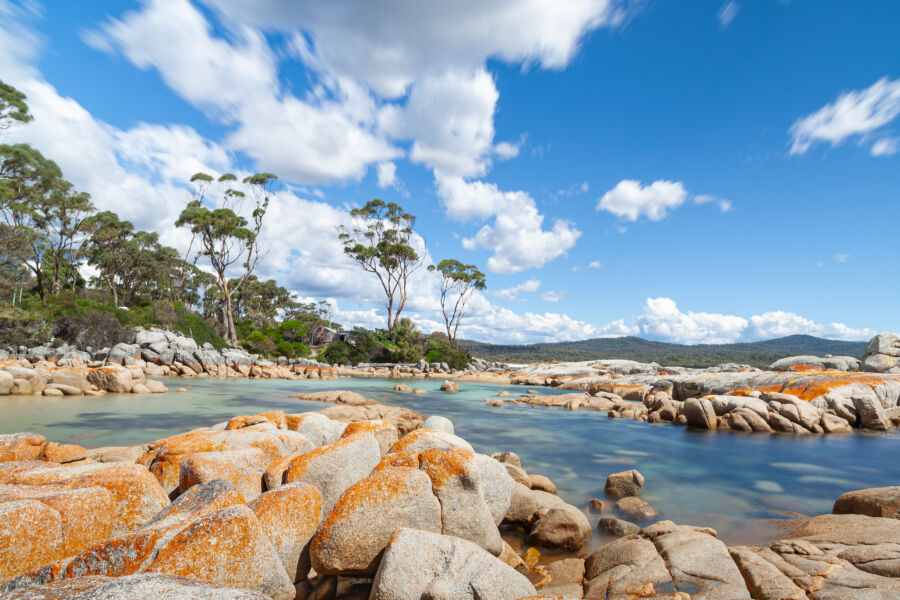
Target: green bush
[(440, 351)]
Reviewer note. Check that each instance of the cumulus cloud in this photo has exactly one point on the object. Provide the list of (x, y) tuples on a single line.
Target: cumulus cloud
[(387, 174), (663, 320), (595, 264), (723, 204), (854, 113), (630, 200), (516, 235), (887, 146), (511, 293), (551, 296)]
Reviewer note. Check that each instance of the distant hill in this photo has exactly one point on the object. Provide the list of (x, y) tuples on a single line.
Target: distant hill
[(759, 354)]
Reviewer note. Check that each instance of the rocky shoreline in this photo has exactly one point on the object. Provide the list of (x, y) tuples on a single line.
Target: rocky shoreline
[(367, 500), (796, 395)]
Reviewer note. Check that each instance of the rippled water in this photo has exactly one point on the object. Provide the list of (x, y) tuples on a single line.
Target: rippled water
[(737, 483)]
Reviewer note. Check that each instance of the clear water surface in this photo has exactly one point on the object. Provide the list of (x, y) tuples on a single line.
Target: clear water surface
[(743, 485)]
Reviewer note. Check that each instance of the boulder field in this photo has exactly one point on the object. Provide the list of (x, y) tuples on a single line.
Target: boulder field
[(397, 507)]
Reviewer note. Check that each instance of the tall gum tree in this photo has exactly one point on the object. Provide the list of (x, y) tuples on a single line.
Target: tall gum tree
[(458, 284), (225, 237), (380, 241)]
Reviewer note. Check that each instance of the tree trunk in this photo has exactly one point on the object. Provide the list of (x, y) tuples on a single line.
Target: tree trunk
[(113, 290), (229, 313)]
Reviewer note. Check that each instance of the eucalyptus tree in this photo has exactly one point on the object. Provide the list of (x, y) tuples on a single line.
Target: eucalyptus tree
[(225, 237), (13, 108), (458, 284), (43, 207), (381, 242)]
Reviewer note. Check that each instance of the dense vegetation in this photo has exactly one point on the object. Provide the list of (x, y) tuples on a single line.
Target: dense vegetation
[(758, 354), (72, 274)]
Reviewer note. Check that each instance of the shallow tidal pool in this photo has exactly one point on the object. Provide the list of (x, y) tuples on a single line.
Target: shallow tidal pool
[(743, 485)]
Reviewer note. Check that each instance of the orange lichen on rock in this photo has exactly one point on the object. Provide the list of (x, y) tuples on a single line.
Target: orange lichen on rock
[(299, 465), (274, 473), (63, 453), (366, 427), (242, 421), (31, 535), (118, 556), (407, 458), (412, 438), (243, 468), (227, 547), (137, 494), (21, 446), (289, 517), (383, 486), (444, 464)]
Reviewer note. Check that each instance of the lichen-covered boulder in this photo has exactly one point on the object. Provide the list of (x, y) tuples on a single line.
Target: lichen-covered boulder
[(112, 378), (243, 468), (438, 422), (164, 457), (318, 428), (21, 446), (289, 517), (426, 439), (31, 535), (383, 430), (419, 564), (336, 466), (63, 453), (351, 539), (143, 586), (136, 493)]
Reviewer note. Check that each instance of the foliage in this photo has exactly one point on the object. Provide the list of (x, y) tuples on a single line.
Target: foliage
[(458, 283), (225, 237), (381, 243), (13, 108), (283, 340), (442, 351), (758, 354)]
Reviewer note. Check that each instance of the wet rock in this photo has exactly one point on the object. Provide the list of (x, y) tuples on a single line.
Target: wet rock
[(540, 482), (834, 424), (636, 509), (449, 386), (289, 517), (144, 586), (419, 391), (419, 564), (561, 527), (617, 527), (352, 538), (699, 413), (873, 502), (626, 483), (402, 387), (563, 578), (336, 466)]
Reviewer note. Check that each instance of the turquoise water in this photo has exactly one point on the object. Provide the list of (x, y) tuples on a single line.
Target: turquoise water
[(740, 484)]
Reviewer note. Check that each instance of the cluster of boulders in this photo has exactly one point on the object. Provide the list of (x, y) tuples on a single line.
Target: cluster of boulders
[(22, 377)]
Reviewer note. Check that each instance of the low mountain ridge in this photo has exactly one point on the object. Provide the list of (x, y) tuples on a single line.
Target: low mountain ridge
[(758, 354)]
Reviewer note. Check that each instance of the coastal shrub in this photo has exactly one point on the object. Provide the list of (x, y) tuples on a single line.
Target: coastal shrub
[(92, 328), (441, 351)]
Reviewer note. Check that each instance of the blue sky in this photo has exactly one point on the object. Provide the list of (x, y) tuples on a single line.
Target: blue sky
[(683, 171)]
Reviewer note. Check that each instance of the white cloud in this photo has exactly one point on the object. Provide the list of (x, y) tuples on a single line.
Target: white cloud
[(841, 258), (727, 13), (506, 150), (516, 235), (630, 200), (723, 204), (387, 174), (857, 112), (511, 293), (595, 264), (887, 146), (663, 320), (390, 46), (551, 296)]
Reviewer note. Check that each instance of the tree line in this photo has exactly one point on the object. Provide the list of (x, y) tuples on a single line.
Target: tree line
[(50, 231)]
